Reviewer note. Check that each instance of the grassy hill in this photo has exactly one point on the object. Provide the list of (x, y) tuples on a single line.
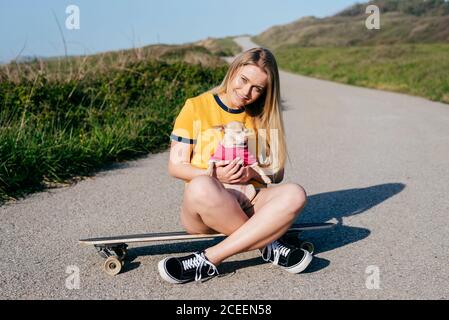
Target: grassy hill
[(409, 7), (78, 67), (220, 46), (409, 54), (402, 21)]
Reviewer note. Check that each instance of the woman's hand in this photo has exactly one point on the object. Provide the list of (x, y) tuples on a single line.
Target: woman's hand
[(234, 172), (246, 175)]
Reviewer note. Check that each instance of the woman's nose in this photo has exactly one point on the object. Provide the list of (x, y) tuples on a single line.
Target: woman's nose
[(247, 91)]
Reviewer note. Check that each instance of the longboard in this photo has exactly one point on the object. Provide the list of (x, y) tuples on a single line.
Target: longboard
[(114, 249)]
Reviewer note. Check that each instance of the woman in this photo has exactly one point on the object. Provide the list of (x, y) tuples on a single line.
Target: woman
[(250, 94)]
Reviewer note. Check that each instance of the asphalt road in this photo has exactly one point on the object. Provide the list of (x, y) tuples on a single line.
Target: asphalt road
[(378, 162)]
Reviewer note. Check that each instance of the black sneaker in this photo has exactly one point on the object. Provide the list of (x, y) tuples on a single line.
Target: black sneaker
[(185, 269), (287, 256)]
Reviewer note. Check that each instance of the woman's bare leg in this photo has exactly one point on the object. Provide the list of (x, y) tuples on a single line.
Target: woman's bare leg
[(209, 206), (267, 224)]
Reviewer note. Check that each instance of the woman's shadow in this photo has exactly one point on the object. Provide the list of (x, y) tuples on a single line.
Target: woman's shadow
[(321, 207)]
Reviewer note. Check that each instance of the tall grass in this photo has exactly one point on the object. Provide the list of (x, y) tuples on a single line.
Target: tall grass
[(54, 128)]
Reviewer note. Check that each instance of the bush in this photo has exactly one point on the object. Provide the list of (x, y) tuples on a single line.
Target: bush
[(52, 130)]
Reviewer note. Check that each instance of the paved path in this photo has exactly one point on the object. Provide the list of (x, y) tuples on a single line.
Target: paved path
[(376, 161)]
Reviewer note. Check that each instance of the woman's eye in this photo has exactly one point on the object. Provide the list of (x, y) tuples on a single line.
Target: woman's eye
[(243, 79)]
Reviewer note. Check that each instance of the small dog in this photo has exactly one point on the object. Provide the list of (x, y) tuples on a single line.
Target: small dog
[(233, 145)]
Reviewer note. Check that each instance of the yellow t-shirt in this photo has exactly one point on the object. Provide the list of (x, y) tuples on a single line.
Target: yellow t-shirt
[(197, 124)]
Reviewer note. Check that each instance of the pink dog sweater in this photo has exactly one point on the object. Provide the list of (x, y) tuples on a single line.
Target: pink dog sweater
[(223, 153)]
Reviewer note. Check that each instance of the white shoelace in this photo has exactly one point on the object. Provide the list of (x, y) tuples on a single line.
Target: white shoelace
[(198, 261), (278, 250)]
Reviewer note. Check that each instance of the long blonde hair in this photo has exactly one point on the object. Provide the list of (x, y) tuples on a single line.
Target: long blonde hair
[(266, 111)]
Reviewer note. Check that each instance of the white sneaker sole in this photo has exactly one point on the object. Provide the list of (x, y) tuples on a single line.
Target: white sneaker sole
[(302, 265), (163, 273)]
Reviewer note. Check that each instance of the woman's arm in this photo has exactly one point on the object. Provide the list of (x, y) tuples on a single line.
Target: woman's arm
[(186, 171), (179, 163)]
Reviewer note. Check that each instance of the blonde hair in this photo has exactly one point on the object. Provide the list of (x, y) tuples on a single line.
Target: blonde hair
[(266, 111)]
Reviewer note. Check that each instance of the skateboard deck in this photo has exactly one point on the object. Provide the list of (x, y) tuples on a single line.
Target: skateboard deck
[(181, 235), (114, 249)]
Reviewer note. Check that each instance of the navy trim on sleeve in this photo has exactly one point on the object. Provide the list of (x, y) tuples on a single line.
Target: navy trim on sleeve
[(181, 139)]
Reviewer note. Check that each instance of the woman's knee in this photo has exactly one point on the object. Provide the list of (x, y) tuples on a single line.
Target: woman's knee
[(294, 196), (205, 190)]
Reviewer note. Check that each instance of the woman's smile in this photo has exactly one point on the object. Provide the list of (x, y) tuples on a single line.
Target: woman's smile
[(239, 97)]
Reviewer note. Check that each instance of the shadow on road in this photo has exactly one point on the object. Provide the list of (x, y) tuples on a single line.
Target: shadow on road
[(320, 208), (338, 205)]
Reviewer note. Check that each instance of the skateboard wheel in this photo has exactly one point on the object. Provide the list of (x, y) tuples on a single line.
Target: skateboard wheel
[(308, 246), (112, 266)]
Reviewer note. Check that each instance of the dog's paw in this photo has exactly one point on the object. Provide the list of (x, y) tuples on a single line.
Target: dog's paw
[(266, 179)]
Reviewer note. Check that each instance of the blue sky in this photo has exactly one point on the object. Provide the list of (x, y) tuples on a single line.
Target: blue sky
[(117, 24)]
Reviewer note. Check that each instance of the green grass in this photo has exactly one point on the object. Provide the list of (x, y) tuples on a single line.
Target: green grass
[(416, 69), (54, 128)]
